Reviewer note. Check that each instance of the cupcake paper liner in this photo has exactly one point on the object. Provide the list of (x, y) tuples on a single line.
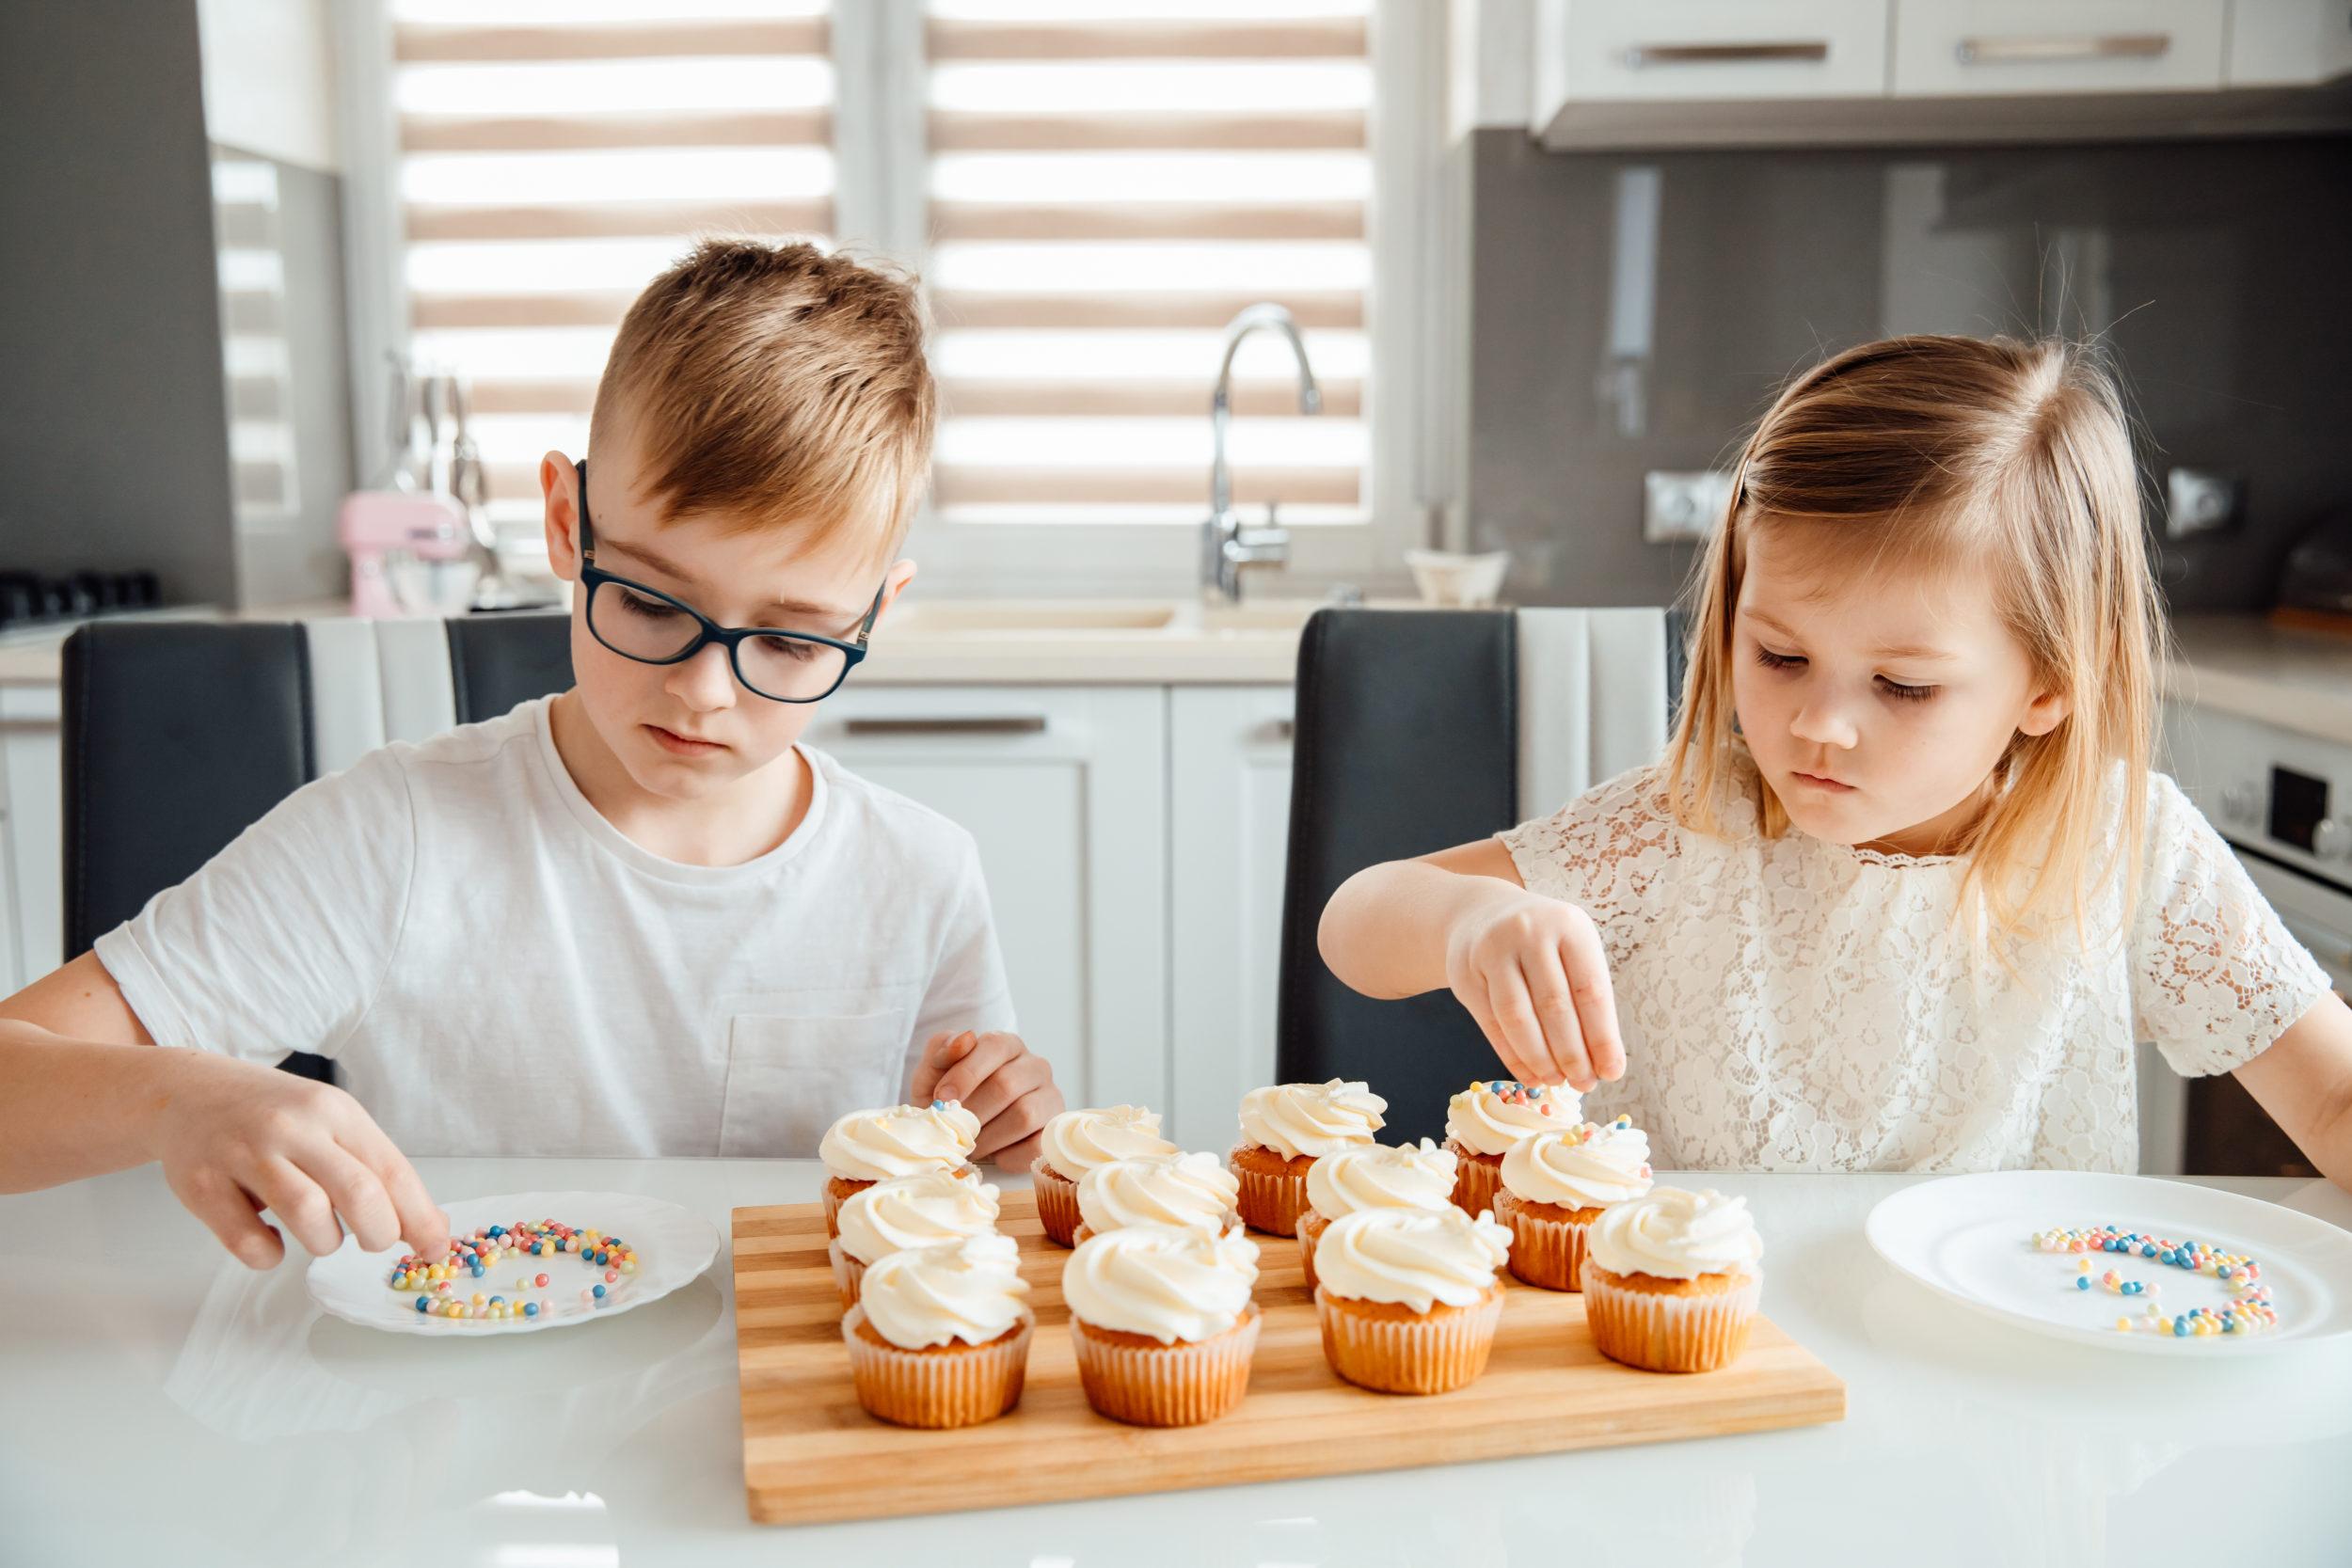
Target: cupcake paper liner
[(1668, 1333), (1546, 1253), (1056, 1203), (1429, 1355), (848, 1273), (1165, 1385), (1269, 1203), (838, 1190), (1476, 1181), (957, 1387), (1311, 1224)]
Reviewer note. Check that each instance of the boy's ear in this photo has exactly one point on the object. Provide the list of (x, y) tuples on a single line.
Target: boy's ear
[(558, 482), (894, 584), (2045, 713)]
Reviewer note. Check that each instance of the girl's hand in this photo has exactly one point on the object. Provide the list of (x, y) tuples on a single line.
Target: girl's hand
[(1532, 972), (236, 1137), (999, 1079)]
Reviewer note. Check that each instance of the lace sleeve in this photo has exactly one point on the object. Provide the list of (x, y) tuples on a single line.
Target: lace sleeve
[(2215, 977), (1605, 852)]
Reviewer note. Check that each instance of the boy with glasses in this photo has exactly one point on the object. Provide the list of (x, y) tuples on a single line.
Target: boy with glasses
[(636, 918)]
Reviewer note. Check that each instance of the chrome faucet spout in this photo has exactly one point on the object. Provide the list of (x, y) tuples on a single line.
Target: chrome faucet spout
[(1227, 546)]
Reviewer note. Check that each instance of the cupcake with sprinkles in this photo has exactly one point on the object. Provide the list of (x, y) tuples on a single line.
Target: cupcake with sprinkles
[(866, 1147), (1285, 1128), (1075, 1143), (1191, 1192), (1670, 1282), (939, 1334), (1407, 1176), (1488, 1119), (1162, 1322), (1409, 1301), (902, 1213), (1557, 1185)]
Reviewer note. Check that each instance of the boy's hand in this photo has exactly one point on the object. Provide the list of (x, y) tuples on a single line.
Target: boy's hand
[(235, 1137), (999, 1079), (1533, 973)]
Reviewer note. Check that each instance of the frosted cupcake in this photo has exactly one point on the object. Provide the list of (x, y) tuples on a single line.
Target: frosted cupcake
[(1408, 1176), (1191, 1192), (906, 1212), (1408, 1300), (1073, 1143), (866, 1147), (1162, 1322), (940, 1335), (1485, 1121), (1556, 1184), (1286, 1128), (1670, 1282)]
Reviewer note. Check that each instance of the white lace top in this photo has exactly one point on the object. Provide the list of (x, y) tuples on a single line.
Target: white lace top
[(1792, 1004)]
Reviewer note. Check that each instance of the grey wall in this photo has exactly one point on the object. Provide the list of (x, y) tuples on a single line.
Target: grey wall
[(2218, 272), (113, 451)]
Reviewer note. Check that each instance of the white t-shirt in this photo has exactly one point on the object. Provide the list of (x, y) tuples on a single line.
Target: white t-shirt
[(1792, 1004), (496, 969)]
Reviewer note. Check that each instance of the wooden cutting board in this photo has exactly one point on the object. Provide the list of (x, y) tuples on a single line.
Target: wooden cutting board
[(811, 1454)]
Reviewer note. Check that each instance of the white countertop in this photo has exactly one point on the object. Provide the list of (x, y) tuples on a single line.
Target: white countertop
[(2242, 664), (161, 1404)]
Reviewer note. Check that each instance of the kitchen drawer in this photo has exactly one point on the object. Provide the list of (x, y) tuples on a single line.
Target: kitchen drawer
[(2289, 43), (1630, 51), (1994, 48)]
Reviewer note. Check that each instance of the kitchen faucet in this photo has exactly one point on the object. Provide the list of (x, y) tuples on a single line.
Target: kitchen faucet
[(1227, 545)]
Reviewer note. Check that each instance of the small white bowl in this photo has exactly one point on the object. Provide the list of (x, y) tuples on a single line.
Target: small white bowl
[(1462, 581)]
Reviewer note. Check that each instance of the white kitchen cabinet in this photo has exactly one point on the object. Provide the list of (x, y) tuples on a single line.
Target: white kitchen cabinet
[(1065, 790), (2289, 43), (1228, 815), (1601, 51), (1981, 48), (32, 831)]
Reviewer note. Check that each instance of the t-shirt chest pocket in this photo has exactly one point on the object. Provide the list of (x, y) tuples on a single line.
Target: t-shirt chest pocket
[(789, 1076)]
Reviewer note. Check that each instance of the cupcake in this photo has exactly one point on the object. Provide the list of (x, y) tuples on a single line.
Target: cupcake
[(1484, 1122), (1073, 1143), (906, 1212), (1670, 1282), (866, 1147), (1284, 1129), (940, 1335), (1409, 1176), (1191, 1192), (1162, 1321), (1408, 1300), (1556, 1184)]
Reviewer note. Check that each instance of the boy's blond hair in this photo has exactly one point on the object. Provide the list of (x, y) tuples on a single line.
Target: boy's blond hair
[(1992, 455), (774, 385)]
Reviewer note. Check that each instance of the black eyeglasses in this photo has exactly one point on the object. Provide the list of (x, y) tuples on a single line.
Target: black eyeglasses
[(650, 626)]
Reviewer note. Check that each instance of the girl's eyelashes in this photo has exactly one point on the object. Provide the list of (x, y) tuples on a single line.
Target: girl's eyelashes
[(1896, 689)]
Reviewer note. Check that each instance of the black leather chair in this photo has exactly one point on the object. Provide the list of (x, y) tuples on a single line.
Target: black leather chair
[(1418, 729), (181, 733)]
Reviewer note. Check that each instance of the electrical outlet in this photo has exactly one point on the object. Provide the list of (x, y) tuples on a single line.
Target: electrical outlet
[(2198, 501), (1681, 506)]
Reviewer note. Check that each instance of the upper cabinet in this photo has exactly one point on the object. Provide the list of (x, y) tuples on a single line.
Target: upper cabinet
[(1663, 73)]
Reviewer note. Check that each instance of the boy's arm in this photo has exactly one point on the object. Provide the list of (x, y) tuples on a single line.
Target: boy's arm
[(1530, 969), (2304, 1080)]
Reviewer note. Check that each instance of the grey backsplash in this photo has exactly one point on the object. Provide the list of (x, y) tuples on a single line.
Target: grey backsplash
[(1634, 312)]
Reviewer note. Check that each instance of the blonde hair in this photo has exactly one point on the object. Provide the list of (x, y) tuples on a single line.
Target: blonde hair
[(2005, 456), (775, 386)]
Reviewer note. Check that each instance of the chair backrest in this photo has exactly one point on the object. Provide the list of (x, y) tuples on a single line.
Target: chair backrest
[(178, 734), (1418, 729)]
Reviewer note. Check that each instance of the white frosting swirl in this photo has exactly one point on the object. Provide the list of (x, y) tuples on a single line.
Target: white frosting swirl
[(915, 1210), (1312, 1119), (901, 1140), (969, 1289), (1159, 1281), (1075, 1142), (1493, 1115), (1192, 1191), (1579, 1167), (1675, 1233), (1407, 1176), (1411, 1256)]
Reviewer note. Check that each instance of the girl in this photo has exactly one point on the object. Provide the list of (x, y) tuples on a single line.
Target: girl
[(1903, 890)]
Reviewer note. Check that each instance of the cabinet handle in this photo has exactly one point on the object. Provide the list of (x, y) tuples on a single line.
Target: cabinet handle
[(2092, 46), (979, 725), (1642, 54)]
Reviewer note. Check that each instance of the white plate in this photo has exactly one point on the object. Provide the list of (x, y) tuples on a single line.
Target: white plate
[(674, 1245), (1967, 1237)]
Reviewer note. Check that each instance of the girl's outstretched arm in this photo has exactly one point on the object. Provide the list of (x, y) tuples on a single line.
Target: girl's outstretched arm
[(2304, 1080)]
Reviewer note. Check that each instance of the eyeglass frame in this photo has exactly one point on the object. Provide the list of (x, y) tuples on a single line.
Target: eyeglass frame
[(593, 576)]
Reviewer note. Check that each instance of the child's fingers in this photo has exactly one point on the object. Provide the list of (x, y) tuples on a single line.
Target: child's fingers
[(1011, 1138), (357, 1195), (1019, 1074), (300, 1204), (1554, 1000), (940, 1052), (979, 1060), (1474, 1001), (1515, 1015), (231, 1215), (1587, 965), (419, 1220)]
